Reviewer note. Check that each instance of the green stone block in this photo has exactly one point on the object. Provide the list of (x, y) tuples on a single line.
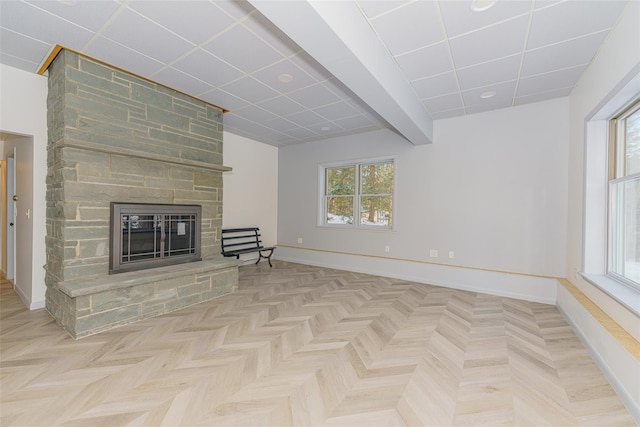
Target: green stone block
[(168, 184), (208, 179), (144, 167), (149, 95), (95, 68), (86, 78), (192, 289), (93, 248), (101, 321), (109, 300), (90, 213)]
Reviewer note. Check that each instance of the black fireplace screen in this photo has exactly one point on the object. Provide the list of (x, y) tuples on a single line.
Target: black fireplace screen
[(146, 236)]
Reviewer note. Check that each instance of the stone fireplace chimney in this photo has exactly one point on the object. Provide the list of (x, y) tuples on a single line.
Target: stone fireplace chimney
[(115, 137)]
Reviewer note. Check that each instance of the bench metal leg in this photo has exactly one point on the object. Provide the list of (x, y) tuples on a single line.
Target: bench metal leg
[(268, 257)]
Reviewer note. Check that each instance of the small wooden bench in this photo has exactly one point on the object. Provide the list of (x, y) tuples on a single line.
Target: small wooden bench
[(238, 241)]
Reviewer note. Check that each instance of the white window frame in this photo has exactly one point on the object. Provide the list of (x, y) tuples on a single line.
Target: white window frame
[(618, 175), (322, 204), (596, 226)]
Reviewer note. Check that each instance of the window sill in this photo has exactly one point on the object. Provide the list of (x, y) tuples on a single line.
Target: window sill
[(626, 296)]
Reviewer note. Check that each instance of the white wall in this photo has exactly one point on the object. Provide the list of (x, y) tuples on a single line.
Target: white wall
[(250, 194), (23, 111), (492, 188), (617, 61)]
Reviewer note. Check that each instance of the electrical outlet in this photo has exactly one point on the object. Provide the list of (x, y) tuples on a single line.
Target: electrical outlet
[(452, 255), (387, 248), (433, 253), (299, 240)]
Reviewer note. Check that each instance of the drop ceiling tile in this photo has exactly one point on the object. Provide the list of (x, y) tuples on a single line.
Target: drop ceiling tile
[(332, 132), (448, 102), (282, 106), (570, 19), (501, 70), (120, 56), (40, 25), (204, 66), (269, 76), (337, 110), (305, 118), (91, 15), (410, 27), (458, 17), (425, 62), (255, 114), (17, 62), (326, 128), (180, 81), (542, 96), (196, 21), (271, 35), (249, 129), (572, 53), (435, 86), (339, 89), (550, 81), (374, 8), (541, 4), (488, 44), (504, 93), (250, 90), (364, 109), (314, 96), (238, 9), (355, 122), (300, 133), (140, 34), (223, 99), (280, 124), (489, 106), (20, 46), (311, 66), (448, 114), (243, 49)]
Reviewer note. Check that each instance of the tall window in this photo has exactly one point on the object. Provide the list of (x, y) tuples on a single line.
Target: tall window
[(624, 197), (358, 194)]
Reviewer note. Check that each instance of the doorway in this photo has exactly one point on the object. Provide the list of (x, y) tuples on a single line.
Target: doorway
[(17, 223)]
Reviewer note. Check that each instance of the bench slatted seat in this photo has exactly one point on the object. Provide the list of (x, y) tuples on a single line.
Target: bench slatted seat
[(238, 241)]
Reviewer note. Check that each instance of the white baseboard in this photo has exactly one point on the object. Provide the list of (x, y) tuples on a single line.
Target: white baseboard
[(31, 305), (37, 305), (511, 285)]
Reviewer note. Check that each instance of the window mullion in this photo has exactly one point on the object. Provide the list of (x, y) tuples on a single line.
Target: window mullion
[(356, 197)]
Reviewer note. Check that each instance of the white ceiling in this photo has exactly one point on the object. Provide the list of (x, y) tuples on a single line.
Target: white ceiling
[(356, 66)]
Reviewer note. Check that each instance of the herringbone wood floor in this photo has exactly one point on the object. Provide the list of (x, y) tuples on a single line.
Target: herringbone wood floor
[(308, 346)]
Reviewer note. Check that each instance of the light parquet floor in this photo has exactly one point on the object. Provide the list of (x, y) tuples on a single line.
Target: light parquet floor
[(308, 346)]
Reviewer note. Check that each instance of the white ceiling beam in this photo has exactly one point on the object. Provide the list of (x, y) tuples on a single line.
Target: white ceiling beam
[(338, 36)]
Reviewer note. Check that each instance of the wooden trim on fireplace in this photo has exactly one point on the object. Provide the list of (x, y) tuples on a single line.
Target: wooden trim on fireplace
[(56, 49)]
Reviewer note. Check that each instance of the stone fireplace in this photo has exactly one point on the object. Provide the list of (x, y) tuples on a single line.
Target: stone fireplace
[(115, 137)]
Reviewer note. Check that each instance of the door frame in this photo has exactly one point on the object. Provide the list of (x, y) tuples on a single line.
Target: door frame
[(11, 214)]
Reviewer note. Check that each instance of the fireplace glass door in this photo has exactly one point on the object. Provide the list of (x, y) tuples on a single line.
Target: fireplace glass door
[(146, 236)]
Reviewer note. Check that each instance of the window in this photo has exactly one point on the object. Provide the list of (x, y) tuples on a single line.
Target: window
[(146, 236), (358, 194), (624, 197)]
